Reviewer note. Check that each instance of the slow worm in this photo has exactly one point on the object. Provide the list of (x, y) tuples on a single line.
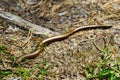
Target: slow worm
[(59, 37)]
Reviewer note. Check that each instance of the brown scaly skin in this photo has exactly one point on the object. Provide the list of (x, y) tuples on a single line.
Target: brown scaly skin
[(59, 37)]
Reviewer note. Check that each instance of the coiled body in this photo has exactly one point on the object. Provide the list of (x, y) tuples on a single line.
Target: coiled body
[(59, 37)]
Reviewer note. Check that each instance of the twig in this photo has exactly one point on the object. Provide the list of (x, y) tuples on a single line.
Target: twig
[(28, 39), (37, 29), (97, 46)]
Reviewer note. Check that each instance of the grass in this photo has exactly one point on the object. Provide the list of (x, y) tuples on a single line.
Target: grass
[(108, 68), (23, 72), (2, 49), (26, 73), (4, 73), (43, 70)]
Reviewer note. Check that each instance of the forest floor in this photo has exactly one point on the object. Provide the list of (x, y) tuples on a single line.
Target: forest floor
[(86, 55)]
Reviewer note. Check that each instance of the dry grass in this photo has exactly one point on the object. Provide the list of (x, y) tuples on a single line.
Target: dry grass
[(92, 54)]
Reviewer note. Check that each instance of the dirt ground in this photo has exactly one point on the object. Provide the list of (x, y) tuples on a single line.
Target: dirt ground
[(68, 59)]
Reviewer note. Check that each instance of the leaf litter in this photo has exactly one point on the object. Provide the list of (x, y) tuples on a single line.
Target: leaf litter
[(67, 59)]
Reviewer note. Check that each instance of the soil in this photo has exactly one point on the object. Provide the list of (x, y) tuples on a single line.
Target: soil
[(65, 59)]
